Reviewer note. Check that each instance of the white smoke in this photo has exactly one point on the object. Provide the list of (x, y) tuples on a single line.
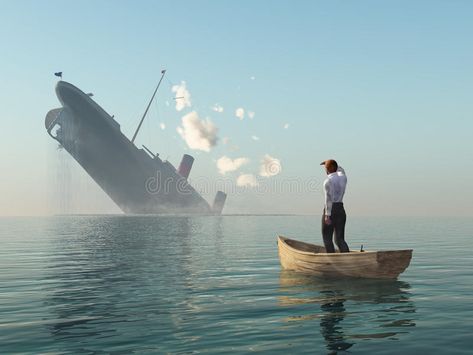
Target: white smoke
[(198, 134), (226, 164), (217, 108), (240, 113), (182, 96), (251, 115), (255, 138), (270, 166), (286, 125), (247, 180), (162, 125)]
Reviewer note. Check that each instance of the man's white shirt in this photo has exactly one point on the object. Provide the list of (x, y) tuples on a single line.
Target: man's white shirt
[(334, 187)]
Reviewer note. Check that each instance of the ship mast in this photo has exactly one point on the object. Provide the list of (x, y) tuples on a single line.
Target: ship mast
[(147, 108)]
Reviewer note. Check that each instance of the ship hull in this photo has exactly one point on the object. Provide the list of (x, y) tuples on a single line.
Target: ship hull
[(136, 181)]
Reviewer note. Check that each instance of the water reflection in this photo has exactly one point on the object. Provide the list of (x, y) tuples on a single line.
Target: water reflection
[(100, 267), (333, 313), (349, 310)]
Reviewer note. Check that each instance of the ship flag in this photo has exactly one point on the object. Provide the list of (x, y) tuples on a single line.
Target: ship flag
[(58, 74)]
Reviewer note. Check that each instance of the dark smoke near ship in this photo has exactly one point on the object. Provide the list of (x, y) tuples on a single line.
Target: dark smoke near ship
[(137, 180)]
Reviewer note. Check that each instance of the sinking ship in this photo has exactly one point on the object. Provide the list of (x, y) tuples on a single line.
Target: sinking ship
[(136, 179)]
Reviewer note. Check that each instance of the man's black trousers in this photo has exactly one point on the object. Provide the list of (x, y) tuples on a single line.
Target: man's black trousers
[(337, 227)]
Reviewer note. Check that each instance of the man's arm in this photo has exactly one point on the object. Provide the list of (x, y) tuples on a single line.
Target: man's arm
[(328, 198)]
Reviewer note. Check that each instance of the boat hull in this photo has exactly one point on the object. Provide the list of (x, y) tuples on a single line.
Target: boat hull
[(312, 259)]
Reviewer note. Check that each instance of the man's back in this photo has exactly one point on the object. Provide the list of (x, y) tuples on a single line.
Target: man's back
[(335, 185)]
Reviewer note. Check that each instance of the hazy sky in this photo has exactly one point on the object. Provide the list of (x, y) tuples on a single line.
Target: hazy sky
[(384, 87)]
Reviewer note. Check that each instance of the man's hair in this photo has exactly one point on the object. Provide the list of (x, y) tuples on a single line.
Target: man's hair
[(331, 165)]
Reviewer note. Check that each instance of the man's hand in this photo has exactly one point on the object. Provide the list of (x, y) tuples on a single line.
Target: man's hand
[(327, 220)]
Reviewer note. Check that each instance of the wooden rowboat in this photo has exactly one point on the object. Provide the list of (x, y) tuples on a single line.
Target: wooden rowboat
[(313, 259)]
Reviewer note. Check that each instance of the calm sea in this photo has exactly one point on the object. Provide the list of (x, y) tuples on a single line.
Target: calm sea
[(125, 284)]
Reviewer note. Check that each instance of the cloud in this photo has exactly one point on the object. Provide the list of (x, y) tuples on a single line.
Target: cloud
[(251, 115), (226, 164), (162, 125), (270, 166), (286, 125), (255, 138), (240, 113), (225, 140), (198, 134), (252, 78), (217, 108), (182, 96), (247, 180)]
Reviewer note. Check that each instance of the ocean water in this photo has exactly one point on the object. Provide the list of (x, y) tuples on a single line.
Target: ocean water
[(147, 284)]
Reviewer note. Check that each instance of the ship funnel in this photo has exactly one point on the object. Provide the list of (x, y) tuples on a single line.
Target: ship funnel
[(219, 202), (185, 166)]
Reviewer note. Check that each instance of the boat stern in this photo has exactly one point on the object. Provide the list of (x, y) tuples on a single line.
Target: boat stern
[(392, 263)]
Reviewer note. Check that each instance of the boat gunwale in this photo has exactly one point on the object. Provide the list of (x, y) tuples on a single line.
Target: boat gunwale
[(283, 240)]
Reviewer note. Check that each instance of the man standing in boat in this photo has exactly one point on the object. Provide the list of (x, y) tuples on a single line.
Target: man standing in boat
[(334, 216)]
